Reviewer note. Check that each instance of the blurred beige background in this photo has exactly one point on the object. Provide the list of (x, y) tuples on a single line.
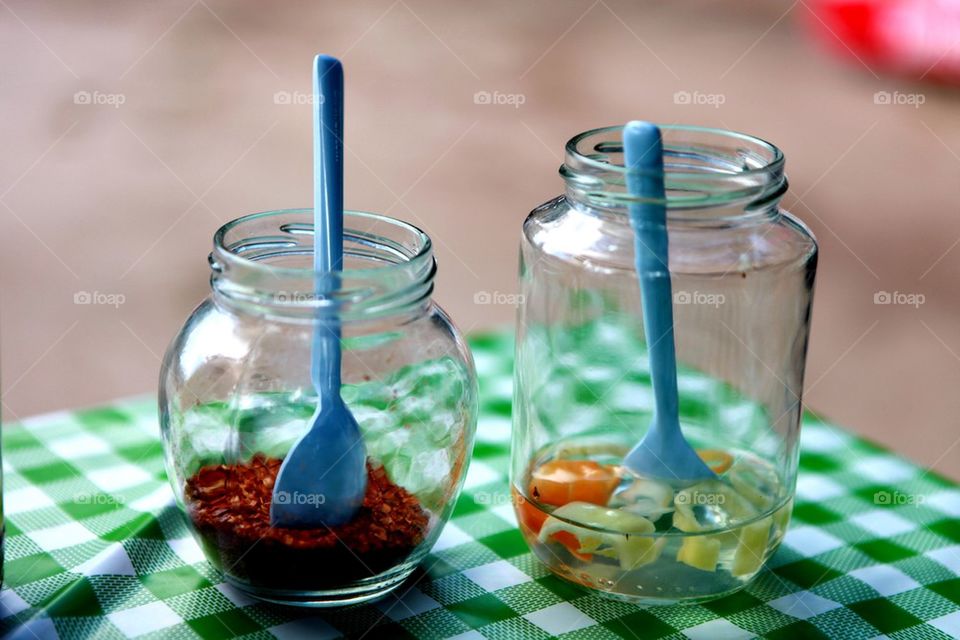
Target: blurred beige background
[(195, 114)]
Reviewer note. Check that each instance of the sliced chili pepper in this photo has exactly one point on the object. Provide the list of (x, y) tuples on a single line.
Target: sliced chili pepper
[(558, 482), (718, 461)]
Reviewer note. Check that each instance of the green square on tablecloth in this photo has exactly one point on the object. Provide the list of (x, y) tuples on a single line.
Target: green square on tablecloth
[(793, 631), (74, 599), (481, 610), (813, 513), (30, 569), (949, 589), (227, 624), (640, 624), (884, 615), (565, 590), (884, 550), (807, 573), (734, 603), (819, 462), (506, 544), (143, 525), (100, 417), (51, 472), (173, 582), (948, 528)]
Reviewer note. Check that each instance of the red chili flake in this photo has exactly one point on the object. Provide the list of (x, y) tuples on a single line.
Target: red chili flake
[(229, 505)]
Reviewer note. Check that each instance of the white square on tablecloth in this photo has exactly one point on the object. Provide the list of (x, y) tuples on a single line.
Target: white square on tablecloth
[(451, 536), (78, 446), (496, 575), (803, 605), (811, 541), (480, 474), (61, 536), (719, 629), (814, 487), (885, 579), (818, 437), (949, 624), (11, 604), (884, 523), (401, 605), (560, 618), (32, 629), (118, 477), (947, 556), (187, 549), (144, 619), (506, 512), (26, 499), (235, 596), (313, 628), (494, 429), (947, 502), (112, 561), (885, 469)]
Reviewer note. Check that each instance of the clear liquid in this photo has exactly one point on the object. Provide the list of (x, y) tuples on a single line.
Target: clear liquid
[(705, 541)]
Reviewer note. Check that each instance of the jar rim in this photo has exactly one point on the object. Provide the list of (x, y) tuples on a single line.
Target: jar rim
[(710, 175), (222, 249), (397, 272), (777, 157)]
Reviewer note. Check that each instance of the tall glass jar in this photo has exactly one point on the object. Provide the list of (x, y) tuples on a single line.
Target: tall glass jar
[(236, 394), (742, 271)]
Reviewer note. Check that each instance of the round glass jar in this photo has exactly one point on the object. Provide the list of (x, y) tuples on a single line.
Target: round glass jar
[(742, 271), (235, 395)]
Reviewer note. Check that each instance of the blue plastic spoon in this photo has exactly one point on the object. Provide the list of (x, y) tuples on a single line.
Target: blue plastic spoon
[(323, 479), (663, 453)]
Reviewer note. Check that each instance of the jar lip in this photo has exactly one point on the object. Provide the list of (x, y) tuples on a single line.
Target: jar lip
[(711, 176), (423, 253), (256, 262), (775, 162)]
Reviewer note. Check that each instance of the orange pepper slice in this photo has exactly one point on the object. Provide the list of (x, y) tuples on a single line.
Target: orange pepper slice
[(718, 461), (558, 482), (530, 517), (572, 543)]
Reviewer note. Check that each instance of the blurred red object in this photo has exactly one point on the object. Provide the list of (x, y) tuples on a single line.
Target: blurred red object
[(920, 38)]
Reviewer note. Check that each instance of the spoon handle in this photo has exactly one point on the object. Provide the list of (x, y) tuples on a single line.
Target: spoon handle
[(643, 156), (328, 219)]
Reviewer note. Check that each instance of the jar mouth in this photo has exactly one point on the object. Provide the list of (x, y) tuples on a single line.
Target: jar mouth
[(266, 259), (704, 168)]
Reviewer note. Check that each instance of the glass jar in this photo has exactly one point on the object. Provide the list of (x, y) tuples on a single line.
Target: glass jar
[(742, 271), (235, 395)]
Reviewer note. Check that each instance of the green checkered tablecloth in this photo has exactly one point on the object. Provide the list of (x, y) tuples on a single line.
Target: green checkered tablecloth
[(95, 547)]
